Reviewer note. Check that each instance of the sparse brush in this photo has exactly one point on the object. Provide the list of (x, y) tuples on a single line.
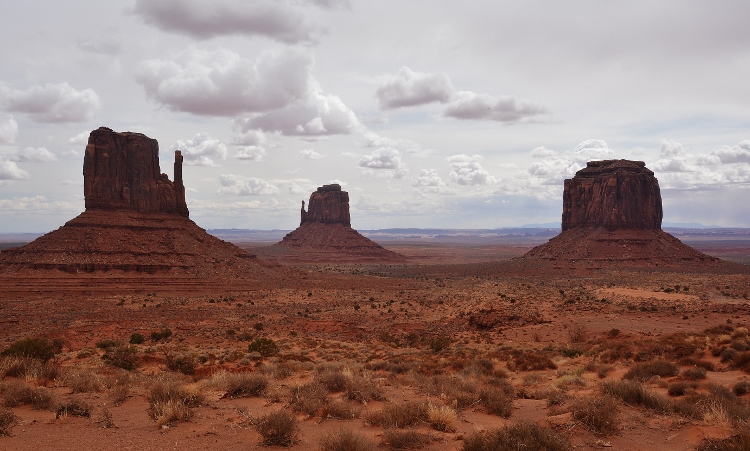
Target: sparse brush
[(8, 420), (17, 393), (498, 399), (184, 364), (741, 387), (34, 347), (277, 429), (398, 415), (578, 333), (645, 371), (718, 406), (530, 361), (634, 393), (82, 380), (309, 398), (524, 435), (441, 418), (265, 346), (694, 374), (460, 391), (364, 389), (28, 368), (171, 401), (340, 410), (737, 442), (105, 418), (245, 384), (405, 439), (333, 380), (74, 406), (346, 440), (125, 357), (598, 413)]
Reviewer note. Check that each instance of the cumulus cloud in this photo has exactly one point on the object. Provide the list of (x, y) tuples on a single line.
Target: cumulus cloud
[(232, 184), (542, 152), (51, 103), (735, 154), (670, 149), (8, 128), (464, 158), (592, 149), (466, 170), (255, 153), (428, 181), (81, 138), (201, 150), (508, 109), (34, 155), (409, 88), (222, 83), (310, 154), (38, 205), (274, 19), (385, 158), (554, 170), (10, 171), (372, 139)]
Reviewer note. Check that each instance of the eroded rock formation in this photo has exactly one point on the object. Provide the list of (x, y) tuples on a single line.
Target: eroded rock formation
[(121, 172), (329, 205), (615, 194)]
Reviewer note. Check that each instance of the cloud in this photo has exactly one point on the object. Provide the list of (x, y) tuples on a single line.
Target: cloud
[(670, 149), (38, 205), (310, 154), (466, 170), (469, 105), (542, 152), (592, 149), (254, 153), (201, 150), (51, 103), (103, 45), (34, 155), (222, 83), (372, 139), (232, 184), (674, 164), (8, 128), (199, 19), (554, 170), (735, 154), (409, 88), (81, 138), (10, 171), (385, 158)]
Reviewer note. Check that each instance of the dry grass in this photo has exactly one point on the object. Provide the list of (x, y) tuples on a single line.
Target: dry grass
[(241, 385), (74, 406), (441, 418), (346, 440), (645, 371), (340, 410), (398, 415), (8, 420), (498, 398), (171, 401), (405, 439), (525, 435), (634, 393), (83, 380), (364, 388), (277, 428), (17, 393), (737, 442), (309, 398), (28, 368), (599, 414)]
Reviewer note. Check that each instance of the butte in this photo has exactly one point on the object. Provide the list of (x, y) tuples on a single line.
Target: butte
[(135, 233), (325, 235), (612, 213)]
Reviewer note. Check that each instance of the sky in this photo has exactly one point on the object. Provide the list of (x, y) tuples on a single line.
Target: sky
[(431, 114)]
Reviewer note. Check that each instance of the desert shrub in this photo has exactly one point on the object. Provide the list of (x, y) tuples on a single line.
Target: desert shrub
[(161, 335), (720, 406), (530, 361), (309, 398), (678, 388), (398, 415), (700, 363), (74, 406), (281, 370), (34, 347), (264, 346), (741, 387), (346, 440), (577, 333), (333, 380), (441, 418), (459, 391), (405, 439), (727, 354), (439, 343), (277, 428), (125, 357), (28, 367), (170, 401), (7, 421), (742, 362), (340, 410), (598, 413), (136, 338), (18, 393), (694, 374), (634, 393), (556, 398), (600, 369), (721, 329), (737, 442), (184, 364), (106, 344), (245, 384), (645, 371), (82, 380), (525, 435), (364, 389), (498, 399)]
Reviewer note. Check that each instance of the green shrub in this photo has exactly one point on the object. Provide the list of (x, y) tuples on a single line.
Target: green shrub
[(264, 346), (136, 339), (106, 344), (645, 371), (161, 335), (182, 363), (439, 343), (35, 348), (125, 357), (524, 435), (277, 428)]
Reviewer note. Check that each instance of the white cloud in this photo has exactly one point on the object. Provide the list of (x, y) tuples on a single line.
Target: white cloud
[(310, 154), (410, 88), (296, 189), (385, 158), (470, 173), (51, 103), (222, 83), (254, 153), (8, 128), (34, 155), (735, 154), (542, 152), (670, 149), (469, 105), (274, 19), (674, 164), (201, 150), (232, 184), (464, 158), (81, 138), (592, 149), (38, 205), (10, 171), (247, 138), (372, 139)]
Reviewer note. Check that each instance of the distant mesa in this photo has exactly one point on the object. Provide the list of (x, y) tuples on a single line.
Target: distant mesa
[(612, 214), (136, 221), (325, 234)]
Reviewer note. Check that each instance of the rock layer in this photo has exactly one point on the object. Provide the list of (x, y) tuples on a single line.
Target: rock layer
[(121, 172), (614, 194), (328, 205)]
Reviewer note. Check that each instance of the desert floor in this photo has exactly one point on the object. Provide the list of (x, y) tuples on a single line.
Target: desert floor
[(427, 355)]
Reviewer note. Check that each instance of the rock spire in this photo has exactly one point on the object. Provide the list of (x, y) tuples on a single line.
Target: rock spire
[(328, 205)]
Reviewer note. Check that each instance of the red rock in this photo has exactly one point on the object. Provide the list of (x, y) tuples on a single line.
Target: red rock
[(121, 172), (328, 205), (615, 194)]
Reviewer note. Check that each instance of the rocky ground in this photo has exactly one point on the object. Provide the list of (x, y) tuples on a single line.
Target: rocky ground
[(421, 355)]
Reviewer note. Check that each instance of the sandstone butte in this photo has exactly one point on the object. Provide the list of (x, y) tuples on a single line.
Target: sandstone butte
[(325, 234), (136, 222), (612, 213)]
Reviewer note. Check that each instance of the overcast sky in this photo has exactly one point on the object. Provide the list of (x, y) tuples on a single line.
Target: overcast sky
[(429, 113)]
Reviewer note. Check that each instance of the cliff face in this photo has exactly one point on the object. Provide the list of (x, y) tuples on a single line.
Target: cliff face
[(121, 172), (328, 205), (614, 194)]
